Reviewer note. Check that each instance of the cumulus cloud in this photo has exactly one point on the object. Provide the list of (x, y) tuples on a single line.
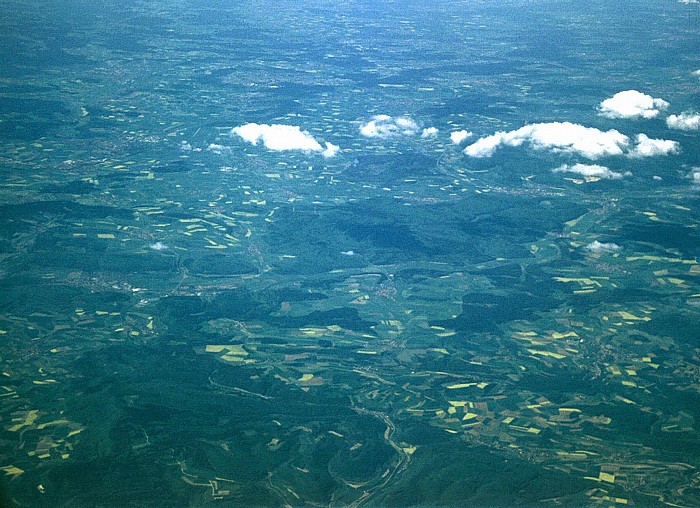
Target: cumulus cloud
[(385, 126), (686, 121), (559, 137), (217, 148), (458, 136), (696, 73), (277, 137), (597, 247), (282, 137), (572, 138), (695, 175), (331, 150), (632, 104), (647, 147), (430, 132), (589, 170), (158, 246)]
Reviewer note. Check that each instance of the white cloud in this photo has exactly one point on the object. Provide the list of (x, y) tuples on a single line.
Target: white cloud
[(597, 246), (688, 1), (696, 73), (632, 104), (216, 148), (647, 147), (158, 246), (590, 170), (385, 126), (430, 132), (330, 150), (280, 137), (572, 138), (695, 175), (485, 147), (686, 121), (559, 137), (458, 136)]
